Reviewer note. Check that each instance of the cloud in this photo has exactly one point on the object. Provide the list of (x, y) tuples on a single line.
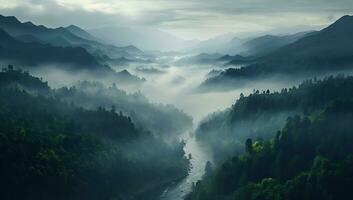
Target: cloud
[(188, 18)]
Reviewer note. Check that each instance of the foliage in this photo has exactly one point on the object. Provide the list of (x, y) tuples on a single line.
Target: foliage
[(260, 114), (309, 158), (51, 149), (162, 120)]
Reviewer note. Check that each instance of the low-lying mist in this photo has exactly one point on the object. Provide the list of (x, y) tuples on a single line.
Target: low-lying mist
[(178, 85), (165, 83)]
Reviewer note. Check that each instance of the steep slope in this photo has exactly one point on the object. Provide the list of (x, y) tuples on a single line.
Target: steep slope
[(15, 28), (266, 44), (14, 51), (252, 46), (55, 150), (163, 120), (331, 45), (70, 36), (260, 114), (309, 158), (328, 50), (81, 33)]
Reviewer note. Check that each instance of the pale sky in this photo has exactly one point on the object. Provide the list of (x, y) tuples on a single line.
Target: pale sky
[(188, 19)]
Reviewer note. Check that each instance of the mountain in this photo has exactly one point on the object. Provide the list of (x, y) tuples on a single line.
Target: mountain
[(309, 158), (235, 45), (16, 28), (328, 50), (126, 77), (57, 149), (29, 38), (266, 44), (251, 46), (332, 45), (32, 53), (218, 44), (203, 58), (235, 60), (143, 38), (247, 50), (31, 45), (71, 36), (293, 144), (262, 113), (81, 33), (128, 49)]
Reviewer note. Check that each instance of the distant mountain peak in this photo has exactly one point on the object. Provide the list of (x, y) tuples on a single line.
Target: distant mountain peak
[(344, 23), (29, 23), (74, 27), (126, 72), (132, 48), (345, 18), (9, 19)]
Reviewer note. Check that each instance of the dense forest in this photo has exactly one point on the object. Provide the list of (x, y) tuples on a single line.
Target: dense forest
[(164, 120), (311, 157), (99, 99), (54, 149), (260, 114)]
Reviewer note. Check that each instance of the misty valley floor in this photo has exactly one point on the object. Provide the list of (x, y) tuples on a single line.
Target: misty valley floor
[(260, 117)]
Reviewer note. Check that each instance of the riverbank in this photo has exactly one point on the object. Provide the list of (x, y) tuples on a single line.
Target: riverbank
[(198, 161), (154, 191)]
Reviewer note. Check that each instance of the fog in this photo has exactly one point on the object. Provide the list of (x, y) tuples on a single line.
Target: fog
[(162, 102), (165, 82), (179, 86)]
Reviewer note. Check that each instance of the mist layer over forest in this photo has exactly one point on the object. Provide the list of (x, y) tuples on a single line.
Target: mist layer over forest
[(87, 115)]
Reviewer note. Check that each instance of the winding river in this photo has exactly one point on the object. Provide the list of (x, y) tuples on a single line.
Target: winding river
[(198, 162)]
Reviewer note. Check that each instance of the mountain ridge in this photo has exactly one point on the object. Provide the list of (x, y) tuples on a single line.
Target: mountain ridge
[(328, 50)]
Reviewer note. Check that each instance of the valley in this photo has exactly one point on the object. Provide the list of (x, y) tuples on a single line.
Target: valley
[(137, 113)]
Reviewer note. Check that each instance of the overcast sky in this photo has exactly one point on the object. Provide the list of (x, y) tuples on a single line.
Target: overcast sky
[(189, 19)]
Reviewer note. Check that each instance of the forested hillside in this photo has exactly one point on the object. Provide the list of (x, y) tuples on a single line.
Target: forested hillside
[(260, 114), (161, 119), (52, 149), (311, 157)]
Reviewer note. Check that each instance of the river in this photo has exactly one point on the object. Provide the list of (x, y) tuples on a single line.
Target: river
[(198, 162), (160, 88)]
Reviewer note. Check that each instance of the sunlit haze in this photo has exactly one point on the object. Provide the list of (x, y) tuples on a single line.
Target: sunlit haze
[(188, 19)]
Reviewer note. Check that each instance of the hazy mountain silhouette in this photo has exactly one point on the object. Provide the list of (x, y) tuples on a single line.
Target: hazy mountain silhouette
[(250, 46), (34, 53), (16, 28), (248, 50), (203, 58), (70, 36), (82, 33), (218, 44), (328, 50), (235, 60), (143, 38), (266, 44), (332, 45)]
